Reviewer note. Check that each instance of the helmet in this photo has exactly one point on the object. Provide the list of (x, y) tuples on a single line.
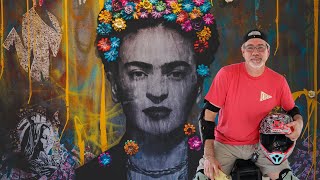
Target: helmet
[(273, 142)]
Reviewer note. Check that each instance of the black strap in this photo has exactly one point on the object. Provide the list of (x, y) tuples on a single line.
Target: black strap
[(210, 106), (294, 111)]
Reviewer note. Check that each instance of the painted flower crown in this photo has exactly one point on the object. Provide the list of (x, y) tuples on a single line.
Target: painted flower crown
[(192, 15)]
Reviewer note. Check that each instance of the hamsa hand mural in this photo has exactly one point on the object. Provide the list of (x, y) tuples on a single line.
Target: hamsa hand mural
[(39, 40)]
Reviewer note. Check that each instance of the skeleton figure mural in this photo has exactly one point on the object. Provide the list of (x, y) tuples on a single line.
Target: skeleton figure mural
[(37, 145), (36, 140), (38, 38)]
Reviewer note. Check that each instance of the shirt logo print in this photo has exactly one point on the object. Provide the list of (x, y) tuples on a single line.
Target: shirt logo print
[(264, 96)]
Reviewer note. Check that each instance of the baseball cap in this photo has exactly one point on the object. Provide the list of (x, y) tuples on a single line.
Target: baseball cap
[(255, 33)]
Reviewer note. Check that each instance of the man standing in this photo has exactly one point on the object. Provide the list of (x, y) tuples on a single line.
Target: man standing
[(244, 94)]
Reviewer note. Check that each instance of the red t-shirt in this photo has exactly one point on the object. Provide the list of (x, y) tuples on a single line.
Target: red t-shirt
[(244, 101)]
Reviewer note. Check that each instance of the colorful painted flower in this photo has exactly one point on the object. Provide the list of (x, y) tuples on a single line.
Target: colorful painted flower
[(195, 143), (203, 70), (160, 6), (108, 1), (187, 6), (168, 2), (198, 2), (123, 2), (156, 14), (182, 17), (176, 7), (208, 19), (104, 159), (115, 42), (153, 2), (104, 29), (126, 16), (144, 9), (119, 24), (186, 26), (128, 10), (197, 24), (111, 55), (105, 16), (205, 7), (116, 15), (189, 129), (88, 156), (135, 15), (104, 45), (195, 13), (117, 6), (108, 6), (143, 14), (205, 34), (145, 4), (170, 17), (200, 46), (131, 147), (167, 11)]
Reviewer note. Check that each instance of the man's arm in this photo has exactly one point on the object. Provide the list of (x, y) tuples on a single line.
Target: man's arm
[(207, 117), (209, 143)]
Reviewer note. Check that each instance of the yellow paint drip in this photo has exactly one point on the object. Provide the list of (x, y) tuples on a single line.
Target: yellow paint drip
[(315, 82), (29, 61), (310, 107), (79, 130), (277, 27), (101, 4), (103, 130), (1, 41), (67, 65)]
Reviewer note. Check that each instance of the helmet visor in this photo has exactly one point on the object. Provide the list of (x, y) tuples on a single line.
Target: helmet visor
[(275, 142)]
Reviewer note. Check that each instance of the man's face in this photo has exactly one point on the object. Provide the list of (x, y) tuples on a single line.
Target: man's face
[(256, 52), (157, 80)]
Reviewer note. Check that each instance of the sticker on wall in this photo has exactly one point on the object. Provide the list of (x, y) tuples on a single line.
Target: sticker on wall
[(195, 143), (38, 39), (189, 129), (131, 147), (104, 159)]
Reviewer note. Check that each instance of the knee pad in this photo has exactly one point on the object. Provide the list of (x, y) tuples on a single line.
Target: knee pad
[(287, 174)]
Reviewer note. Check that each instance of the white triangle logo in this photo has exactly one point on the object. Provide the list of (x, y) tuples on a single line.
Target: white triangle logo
[(264, 96)]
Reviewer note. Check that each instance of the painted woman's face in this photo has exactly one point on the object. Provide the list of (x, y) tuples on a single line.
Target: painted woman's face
[(157, 79), (47, 140)]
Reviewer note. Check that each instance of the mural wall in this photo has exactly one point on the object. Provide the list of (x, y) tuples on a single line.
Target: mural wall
[(84, 90)]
